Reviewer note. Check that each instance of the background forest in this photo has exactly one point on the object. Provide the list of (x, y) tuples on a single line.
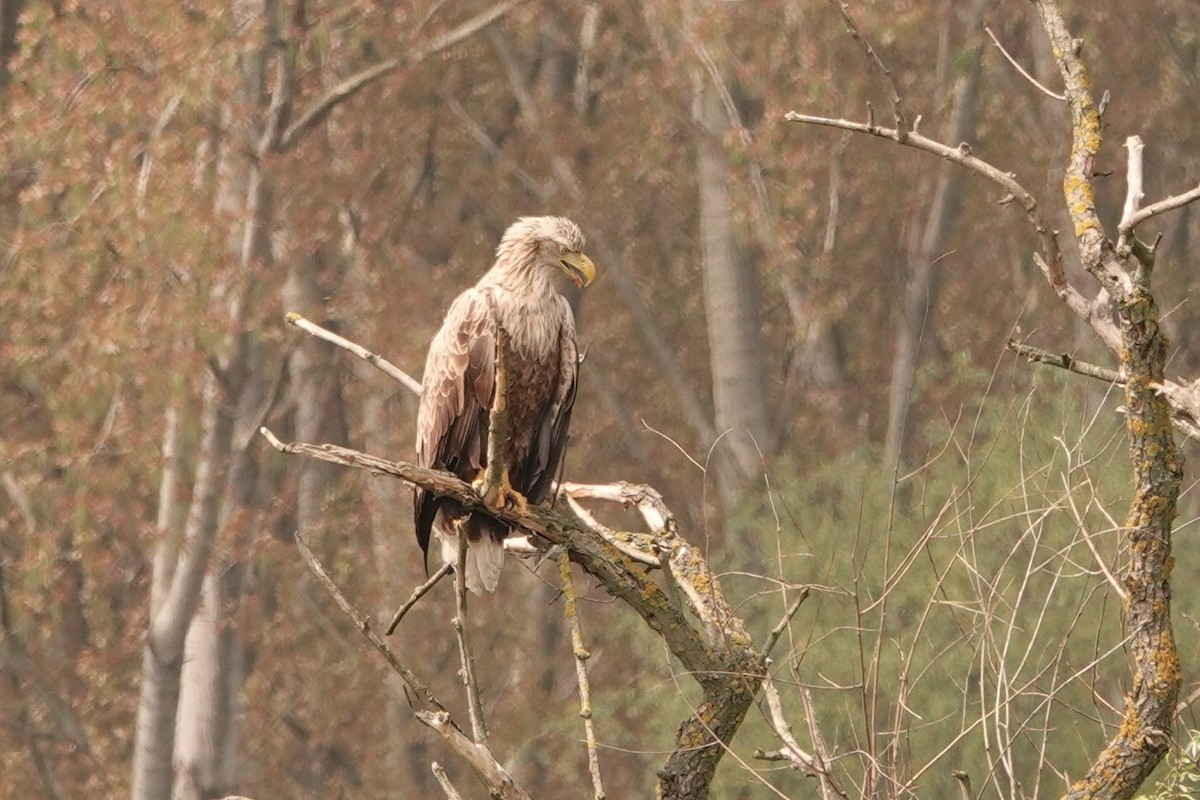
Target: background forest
[(797, 336)]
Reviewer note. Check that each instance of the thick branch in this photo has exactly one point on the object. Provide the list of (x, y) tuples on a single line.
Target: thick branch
[(723, 660), (1144, 736)]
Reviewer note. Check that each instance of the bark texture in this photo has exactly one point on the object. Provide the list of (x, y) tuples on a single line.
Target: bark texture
[(1144, 735)]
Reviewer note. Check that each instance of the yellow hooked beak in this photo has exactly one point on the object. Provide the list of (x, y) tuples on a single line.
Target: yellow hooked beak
[(579, 268)]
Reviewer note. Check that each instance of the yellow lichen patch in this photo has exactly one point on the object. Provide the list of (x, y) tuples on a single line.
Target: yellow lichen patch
[(1166, 664)]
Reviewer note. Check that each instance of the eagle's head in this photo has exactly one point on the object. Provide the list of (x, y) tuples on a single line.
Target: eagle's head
[(552, 244)]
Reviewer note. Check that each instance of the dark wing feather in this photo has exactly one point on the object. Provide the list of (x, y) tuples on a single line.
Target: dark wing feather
[(551, 441), (456, 394)]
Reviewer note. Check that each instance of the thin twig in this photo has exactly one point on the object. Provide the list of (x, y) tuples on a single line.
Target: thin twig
[(417, 594), (571, 610), (317, 112), (1020, 69), (778, 630), (474, 707), (374, 359), (792, 752), (877, 62)]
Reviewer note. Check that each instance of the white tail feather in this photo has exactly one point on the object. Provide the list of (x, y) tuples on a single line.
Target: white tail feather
[(485, 558)]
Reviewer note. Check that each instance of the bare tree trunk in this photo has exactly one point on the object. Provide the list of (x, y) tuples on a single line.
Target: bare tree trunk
[(175, 598), (921, 288), (731, 307)]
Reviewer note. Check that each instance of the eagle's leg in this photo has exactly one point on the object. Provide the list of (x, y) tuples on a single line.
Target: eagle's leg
[(500, 494)]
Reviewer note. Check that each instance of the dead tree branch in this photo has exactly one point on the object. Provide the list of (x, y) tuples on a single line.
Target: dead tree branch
[(476, 754), (722, 660)]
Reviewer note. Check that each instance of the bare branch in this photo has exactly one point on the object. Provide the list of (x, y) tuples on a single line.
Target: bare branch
[(479, 732), (374, 359), (318, 111), (1049, 261), (1133, 193), (444, 781), (792, 752), (571, 610), (778, 630), (877, 63), (1020, 69), (1065, 361), (423, 692), (1130, 223), (477, 754), (417, 594), (729, 675)]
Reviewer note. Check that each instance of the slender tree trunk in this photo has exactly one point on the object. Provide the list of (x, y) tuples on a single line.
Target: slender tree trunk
[(921, 289), (731, 306)]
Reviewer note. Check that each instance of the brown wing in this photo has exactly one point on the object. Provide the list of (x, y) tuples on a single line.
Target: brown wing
[(551, 442), (456, 395)]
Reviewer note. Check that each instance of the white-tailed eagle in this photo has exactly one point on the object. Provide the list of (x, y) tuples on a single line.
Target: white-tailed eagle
[(517, 293)]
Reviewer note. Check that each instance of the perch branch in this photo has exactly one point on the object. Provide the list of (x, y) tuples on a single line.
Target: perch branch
[(724, 702), (571, 610)]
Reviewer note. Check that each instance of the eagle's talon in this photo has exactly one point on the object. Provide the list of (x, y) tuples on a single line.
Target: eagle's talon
[(501, 495)]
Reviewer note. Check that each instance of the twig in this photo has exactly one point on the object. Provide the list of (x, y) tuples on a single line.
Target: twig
[(778, 630), (1065, 361), (1020, 69), (317, 112), (417, 594), (474, 707), (571, 610), (637, 546), (444, 781), (877, 62), (374, 359), (423, 692)]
